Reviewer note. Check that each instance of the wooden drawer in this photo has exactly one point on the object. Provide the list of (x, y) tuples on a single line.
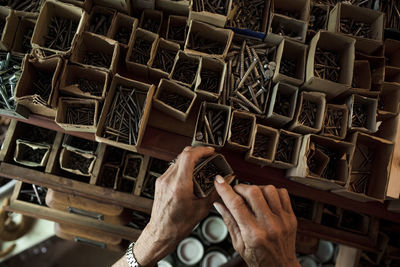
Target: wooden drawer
[(87, 207)]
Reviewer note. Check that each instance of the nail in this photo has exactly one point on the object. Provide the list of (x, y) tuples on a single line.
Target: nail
[(217, 207), (219, 179)]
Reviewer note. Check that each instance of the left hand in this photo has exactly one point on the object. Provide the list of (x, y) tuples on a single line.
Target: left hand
[(176, 210)]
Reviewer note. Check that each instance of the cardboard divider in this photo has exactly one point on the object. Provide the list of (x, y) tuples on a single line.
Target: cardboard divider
[(103, 11), (11, 21), (25, 26), (172, 88), (295, 52), (294, 150), (66, 165), (216, 66), (389, 100), (392, 75), (301, 8), (335, 160), (371, 106), (343, 123), (295, 30), (272, 136), (392, 52), (65, 103), (196, 60), (149, 16), (23, 91), (164, 45), (175, 22), (281, 92), (72, 73), (215, 19), (180, 7), (341, 45), (92, 43), (234, 144), (224, 169), (379, 156), (211, 34), (146, 103), (365, 15), (21, 154), (319, 100), (120, 22), (362, 75), (49, 10)]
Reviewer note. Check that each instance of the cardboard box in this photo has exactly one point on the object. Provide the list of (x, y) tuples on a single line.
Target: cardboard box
[(320, 148), (180, 7), (388, 129), (315, 10), (234, 144), (377, 180), (344, 47), (74, 143), (371, 106), (200, 124), (208, 17), (377, 65), (146, 105), (216, 66), (151, 16), (293, 160), (72, 73), (365, 15), (23, 92), (21, 157), (143, 4), (175, 22), (122, 21), (25, 26), (123, 6), (210, 33), (196, 60), (392, 75), (289, 50), (164, 45), (319, 100), (280, 92), (50, 9), (92, 43), (272, 136), (67, 165), (11, 21), (129, 158), (300, 8), (389, 99), (292, 29), (362, 75), (94, 26), (223, 167), (343, 123), (84, 4), (392, 52), (61, 118), (173, 88)]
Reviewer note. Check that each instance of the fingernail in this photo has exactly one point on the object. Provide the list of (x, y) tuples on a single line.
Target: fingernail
[(216, 206), (187, 148), (219, 179)]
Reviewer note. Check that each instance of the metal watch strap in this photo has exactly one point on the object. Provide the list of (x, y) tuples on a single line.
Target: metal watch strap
[(132, 262)]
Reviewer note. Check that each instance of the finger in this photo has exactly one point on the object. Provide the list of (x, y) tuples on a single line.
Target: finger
[(189, 157), (234, 203), (255, 198), (285, 200), (273, 200), (231, 224)]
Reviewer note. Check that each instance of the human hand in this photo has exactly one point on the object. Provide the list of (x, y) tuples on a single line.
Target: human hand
[(176, 210), (261, 223)]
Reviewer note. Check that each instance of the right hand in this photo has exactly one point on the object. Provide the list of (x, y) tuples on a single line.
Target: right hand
[(261, 223)]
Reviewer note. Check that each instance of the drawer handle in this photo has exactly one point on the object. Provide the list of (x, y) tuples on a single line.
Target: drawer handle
[(97, 216), (90, 242)]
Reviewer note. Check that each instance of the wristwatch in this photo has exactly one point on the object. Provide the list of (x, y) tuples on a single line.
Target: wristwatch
[(132, 262)]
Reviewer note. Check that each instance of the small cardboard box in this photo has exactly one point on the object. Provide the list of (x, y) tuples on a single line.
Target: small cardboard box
[(122, 21), (146, 101), (365, 15), (377, 181), (362, 75), (150, 16), (128, 159), (177, 22), (344, 47), (315, 11), (217, 66), (94, 26), (392, 52), (280, 91), (224, 170), (272, 136), (389, 100), (200, 123), (75, 143), (23, 91), (173, 88), (233, 144), (211, 33), (341, 134), (392, 75), (319, 100), (61, 118), (11, 22), (323, 145), (19, 155), (389, 128), (372, 106), (65, 164), (92, 43), (283, 27), (377, 65), (50, 9), (84, 4), (72, 73), (180, 7), (165, 45), (300, 8), (293, 160), (123, 6), (196, 60), (25, 26), (208, 17), (293, 51)]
